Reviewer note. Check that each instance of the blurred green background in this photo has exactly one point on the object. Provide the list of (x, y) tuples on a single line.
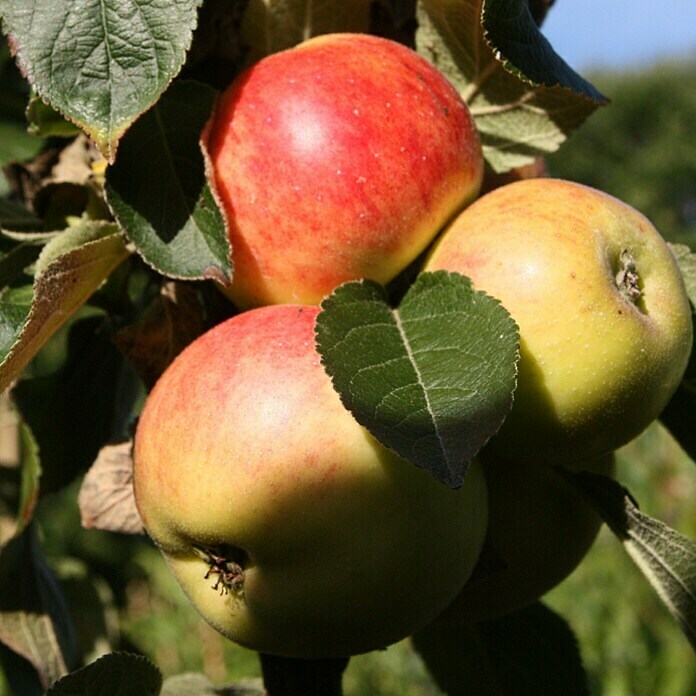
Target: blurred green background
[(639, 149)]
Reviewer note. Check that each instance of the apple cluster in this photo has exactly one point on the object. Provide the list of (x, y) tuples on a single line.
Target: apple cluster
[(292, 530)]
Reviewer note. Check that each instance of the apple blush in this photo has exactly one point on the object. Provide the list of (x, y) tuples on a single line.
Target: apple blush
[(290, 528), (339, 159)]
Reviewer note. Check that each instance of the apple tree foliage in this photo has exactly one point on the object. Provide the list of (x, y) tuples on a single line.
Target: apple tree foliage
[(111, 239)]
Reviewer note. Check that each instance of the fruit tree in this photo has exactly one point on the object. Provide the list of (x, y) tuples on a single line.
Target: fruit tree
[(298, 323)]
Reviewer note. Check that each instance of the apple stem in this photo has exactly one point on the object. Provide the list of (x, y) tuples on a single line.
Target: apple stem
[(627, 279), (286, 676)]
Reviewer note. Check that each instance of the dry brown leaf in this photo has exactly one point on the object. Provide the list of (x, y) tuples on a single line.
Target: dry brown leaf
[(174, 320), (106, 499)]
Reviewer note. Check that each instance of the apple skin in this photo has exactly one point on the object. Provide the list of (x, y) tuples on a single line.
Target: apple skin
[(595, 367), (244, 447), (539, 527), (336, 160)]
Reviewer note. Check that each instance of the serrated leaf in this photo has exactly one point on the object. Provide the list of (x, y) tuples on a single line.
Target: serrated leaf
[(100, 64), (524, 98), (70, 274), (666, 558), (115, 674), (34, 619), (432, 380), (159, 192), (528, 653), (270, 26)]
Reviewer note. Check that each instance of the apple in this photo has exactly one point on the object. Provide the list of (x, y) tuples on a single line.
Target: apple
[(604, 319), (290, 528), (336, 160), (539, 530)]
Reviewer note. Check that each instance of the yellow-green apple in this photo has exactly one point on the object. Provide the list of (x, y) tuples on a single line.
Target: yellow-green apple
[(604, 319), (339, 159), (539, 530), (290, 528)]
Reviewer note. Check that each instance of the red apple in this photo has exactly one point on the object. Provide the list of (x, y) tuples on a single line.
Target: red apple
[(291, 529), (605, 323), (336, 160)]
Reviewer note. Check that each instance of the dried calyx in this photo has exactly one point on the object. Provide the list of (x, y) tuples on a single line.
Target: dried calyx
[(627, 278), (228, 572)]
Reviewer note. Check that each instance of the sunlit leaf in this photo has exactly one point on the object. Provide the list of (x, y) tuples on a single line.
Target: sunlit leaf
[(433, 379), (100, 64), (524, 98), (72, 266), (666, 558)]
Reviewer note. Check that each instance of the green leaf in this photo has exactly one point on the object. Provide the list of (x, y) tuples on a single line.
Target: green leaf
[(159, 193), (524, 98), (529, 653), (100, 64), (115, 674), (432, 380), (666, 558), (34, 619), (270, 26), (73, 264), (524, 50)]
